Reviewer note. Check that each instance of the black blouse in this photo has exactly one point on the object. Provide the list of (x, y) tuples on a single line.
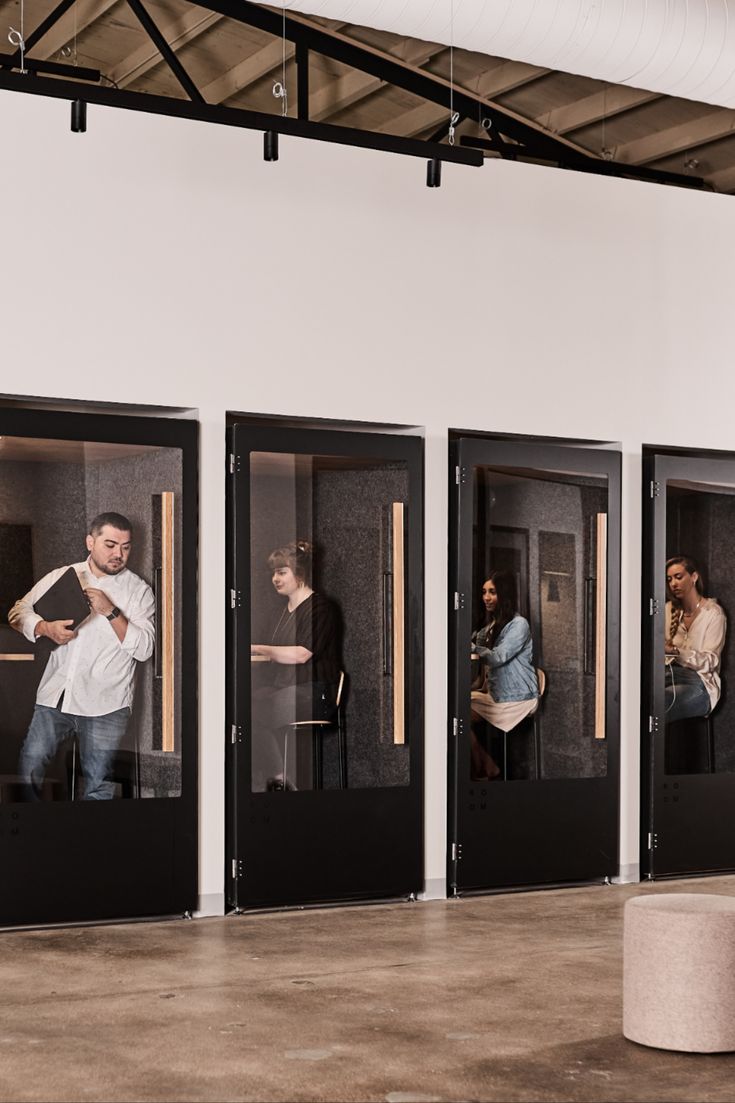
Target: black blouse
[(313, 624)]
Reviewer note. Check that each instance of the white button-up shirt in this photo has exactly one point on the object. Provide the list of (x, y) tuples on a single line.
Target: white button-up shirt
[(94, 671)]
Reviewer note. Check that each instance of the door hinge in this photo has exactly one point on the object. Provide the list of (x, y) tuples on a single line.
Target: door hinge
[(458, 601), (652, 840), (236, 733), (238, 867), (655, 488), (456, 852), (460, 475), (235, 599), (653, 606), (457, 726), (653, 724), (234, 463)]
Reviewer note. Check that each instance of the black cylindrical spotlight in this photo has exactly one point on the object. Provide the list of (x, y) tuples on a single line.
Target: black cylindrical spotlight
[(270, 145), (78, 117), (434, 173)]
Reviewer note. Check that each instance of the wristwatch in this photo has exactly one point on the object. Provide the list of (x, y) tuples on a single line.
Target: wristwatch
[(115, 613)]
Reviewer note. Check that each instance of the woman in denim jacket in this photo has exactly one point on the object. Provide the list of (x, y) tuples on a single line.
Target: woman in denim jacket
[(506, 692)]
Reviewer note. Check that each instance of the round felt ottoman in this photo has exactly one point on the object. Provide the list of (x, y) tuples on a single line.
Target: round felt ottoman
[(679, 972)]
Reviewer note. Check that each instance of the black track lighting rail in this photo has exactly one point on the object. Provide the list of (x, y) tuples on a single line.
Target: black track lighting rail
[(230, 116), (151, 28)]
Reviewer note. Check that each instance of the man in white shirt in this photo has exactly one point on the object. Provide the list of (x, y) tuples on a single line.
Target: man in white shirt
[(87, 686)]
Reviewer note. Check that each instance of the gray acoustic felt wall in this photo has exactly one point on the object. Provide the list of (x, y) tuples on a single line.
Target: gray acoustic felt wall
[(352, 510), (47, 497), (551, 524), (51, 498)]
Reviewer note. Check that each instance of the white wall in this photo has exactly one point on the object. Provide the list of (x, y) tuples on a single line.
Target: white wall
[(160, 261)]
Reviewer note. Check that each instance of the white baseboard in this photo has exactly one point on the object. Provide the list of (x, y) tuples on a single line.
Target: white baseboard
[(211, 904)]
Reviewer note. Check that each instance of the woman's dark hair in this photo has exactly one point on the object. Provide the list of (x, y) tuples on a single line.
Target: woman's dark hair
[(507, 607), (297, 555), (690, 566)]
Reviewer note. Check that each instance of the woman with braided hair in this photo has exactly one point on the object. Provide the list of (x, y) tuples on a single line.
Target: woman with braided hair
[(304, 651), (695, 628)]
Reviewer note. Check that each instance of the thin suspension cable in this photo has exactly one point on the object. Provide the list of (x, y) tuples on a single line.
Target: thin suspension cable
[(280, 90), (18, 38), (451, 72)]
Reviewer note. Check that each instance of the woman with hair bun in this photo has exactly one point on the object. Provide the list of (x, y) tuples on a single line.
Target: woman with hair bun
[(304, 648), (695, 628)]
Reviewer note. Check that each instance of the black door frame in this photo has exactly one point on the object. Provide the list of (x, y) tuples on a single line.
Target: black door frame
[(370, 840), (86, 861), (548, 820), (685, 818)]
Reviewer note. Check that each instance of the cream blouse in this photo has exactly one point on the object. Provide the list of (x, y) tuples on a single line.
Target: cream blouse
[(701, 646)]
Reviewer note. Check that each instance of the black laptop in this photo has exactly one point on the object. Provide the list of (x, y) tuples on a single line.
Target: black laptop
[(65, 600)]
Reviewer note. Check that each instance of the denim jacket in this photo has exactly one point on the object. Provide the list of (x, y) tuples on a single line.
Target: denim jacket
[(510, 669)]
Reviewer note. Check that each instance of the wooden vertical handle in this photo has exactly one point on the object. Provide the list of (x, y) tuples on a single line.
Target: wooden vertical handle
[(399, 614), (166, 666), (601, 627)]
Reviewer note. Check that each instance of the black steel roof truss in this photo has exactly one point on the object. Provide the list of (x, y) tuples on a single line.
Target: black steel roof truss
[(525, 140), (165, 51), (536, 144)]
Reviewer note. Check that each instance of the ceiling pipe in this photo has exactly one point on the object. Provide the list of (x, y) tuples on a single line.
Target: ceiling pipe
[(675, 47)]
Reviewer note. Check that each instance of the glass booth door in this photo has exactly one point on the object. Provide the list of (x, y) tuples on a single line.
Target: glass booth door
[(688, 706), (325, 792), (98, 666), (534, 653)]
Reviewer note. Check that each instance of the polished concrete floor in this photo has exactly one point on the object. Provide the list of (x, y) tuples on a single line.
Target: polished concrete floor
[(514, 997)]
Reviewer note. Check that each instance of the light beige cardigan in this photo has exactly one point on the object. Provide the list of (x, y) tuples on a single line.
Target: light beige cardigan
[(700, 648)]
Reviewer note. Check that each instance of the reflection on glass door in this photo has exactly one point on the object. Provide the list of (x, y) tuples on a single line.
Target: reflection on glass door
[(538, 644), (699, 591), (91, 610), (691, 596), (535, 643), (327, 613), (326, 647)]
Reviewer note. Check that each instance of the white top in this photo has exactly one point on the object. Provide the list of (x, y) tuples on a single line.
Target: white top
[(700, 647), (94, 671)]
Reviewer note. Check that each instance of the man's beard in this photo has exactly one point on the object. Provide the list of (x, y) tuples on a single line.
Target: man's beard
[(108, 568)]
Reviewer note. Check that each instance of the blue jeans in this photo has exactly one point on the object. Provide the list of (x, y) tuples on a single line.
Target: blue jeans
[(99, 740), (687, 695)]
